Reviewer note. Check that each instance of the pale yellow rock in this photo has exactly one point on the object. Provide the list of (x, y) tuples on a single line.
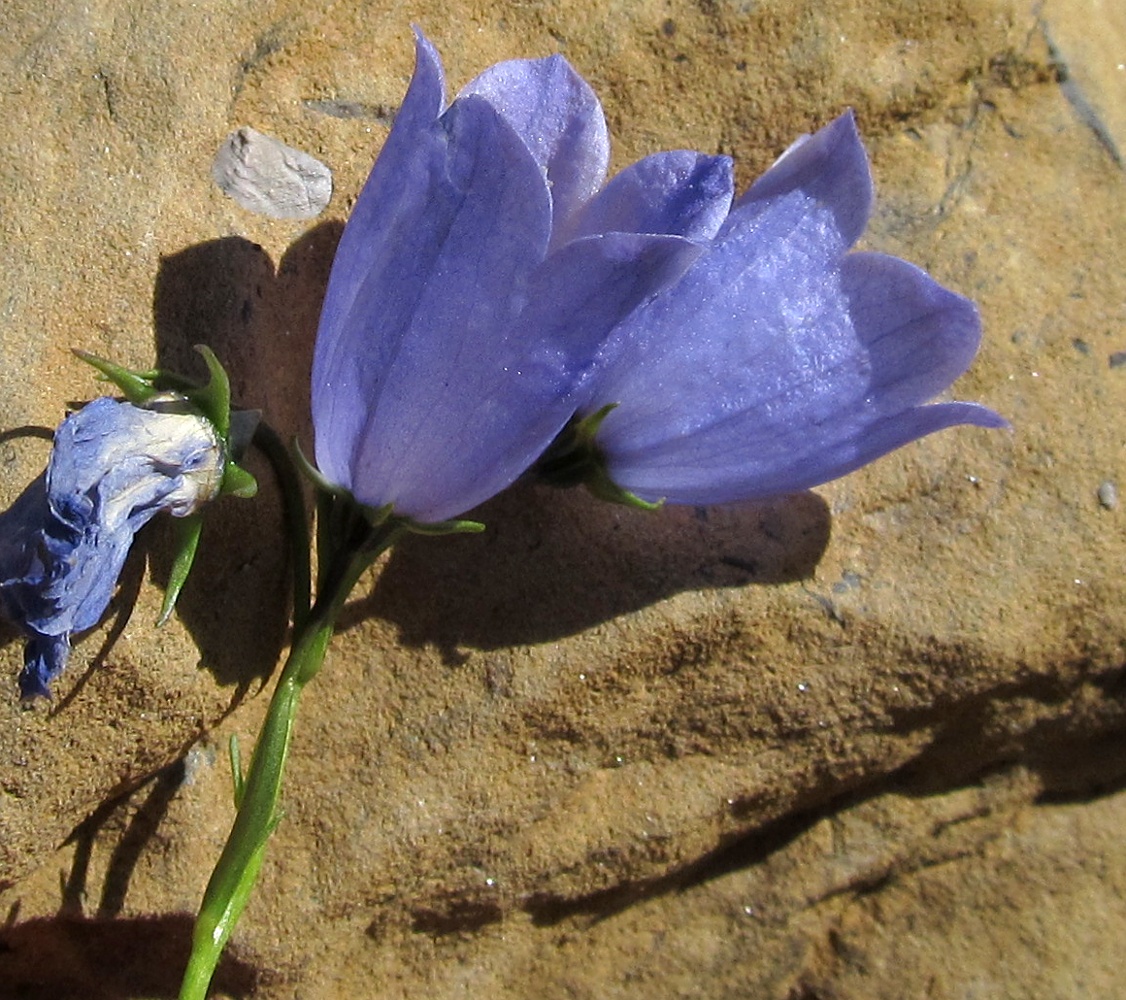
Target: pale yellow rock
[(788, 752)]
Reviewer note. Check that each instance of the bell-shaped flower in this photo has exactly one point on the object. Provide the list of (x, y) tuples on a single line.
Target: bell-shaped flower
[(779, 361), (477, 276), (63, 543)]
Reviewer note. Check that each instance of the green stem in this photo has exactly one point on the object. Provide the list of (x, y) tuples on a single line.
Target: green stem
[(297, 522), (233, 879)]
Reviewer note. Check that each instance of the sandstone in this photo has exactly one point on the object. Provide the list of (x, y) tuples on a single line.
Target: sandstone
[(860, 743)]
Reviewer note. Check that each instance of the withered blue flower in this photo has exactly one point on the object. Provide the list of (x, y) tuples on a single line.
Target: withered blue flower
[(63, 543), (477, 276), (779, 361)]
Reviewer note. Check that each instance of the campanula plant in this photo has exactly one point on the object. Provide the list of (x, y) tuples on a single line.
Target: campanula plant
[(780, 360), (490, 295), (494, 302), (479, 273)]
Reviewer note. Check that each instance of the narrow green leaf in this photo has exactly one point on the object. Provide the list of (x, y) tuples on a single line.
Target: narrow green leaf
[(136, 387), (451, 527), (188, 529)]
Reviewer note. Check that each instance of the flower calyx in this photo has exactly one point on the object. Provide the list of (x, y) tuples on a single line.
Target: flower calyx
[(575, 458)]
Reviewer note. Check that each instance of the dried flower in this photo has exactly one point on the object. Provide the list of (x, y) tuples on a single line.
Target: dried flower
[(477, 276), (64, 541), (779, 360)]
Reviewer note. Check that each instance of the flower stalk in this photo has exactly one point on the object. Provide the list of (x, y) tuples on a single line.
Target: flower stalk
[(364, 535)]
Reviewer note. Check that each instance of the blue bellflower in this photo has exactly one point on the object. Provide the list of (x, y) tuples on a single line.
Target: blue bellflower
[(64, 541), (779, 361), (481, 269)]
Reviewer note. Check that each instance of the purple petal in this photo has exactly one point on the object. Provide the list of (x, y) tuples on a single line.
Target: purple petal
[(118, 464), (752, 378), (821, 185), (21, 538), (746, 465), (722, 378), (495, 429), (559, 118), (44, 658), (918, 335), (425, 334), (400, 155), (392, 198), (681, 193), (586, 289), (757, 315)]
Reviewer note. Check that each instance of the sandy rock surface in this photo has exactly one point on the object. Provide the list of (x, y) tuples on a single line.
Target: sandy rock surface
[(860, 743)]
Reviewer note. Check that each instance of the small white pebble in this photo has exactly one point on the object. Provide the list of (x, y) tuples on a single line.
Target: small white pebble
[(1108, 495), (266, 176)]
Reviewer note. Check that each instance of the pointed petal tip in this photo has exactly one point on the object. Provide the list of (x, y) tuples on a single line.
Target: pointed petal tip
[(919, 336), (559, 117), (978, 415), (429, 78), (44, 658), (423, 47), (829, 168)]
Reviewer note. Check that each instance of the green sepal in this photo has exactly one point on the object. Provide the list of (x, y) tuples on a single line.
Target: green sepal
[(331, 496), (214, 399), (574, 457), (378, 516), (137, 387), (589, 426), (454, 526), (237, 481), (599, 483), (315, 476), (188, 529)]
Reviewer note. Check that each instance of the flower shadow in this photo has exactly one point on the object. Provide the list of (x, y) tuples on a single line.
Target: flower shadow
[(77, 958), (261, 322), (592, 562)]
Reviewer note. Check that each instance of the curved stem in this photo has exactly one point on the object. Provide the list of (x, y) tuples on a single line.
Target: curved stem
[(297, 522), (235, 873)]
